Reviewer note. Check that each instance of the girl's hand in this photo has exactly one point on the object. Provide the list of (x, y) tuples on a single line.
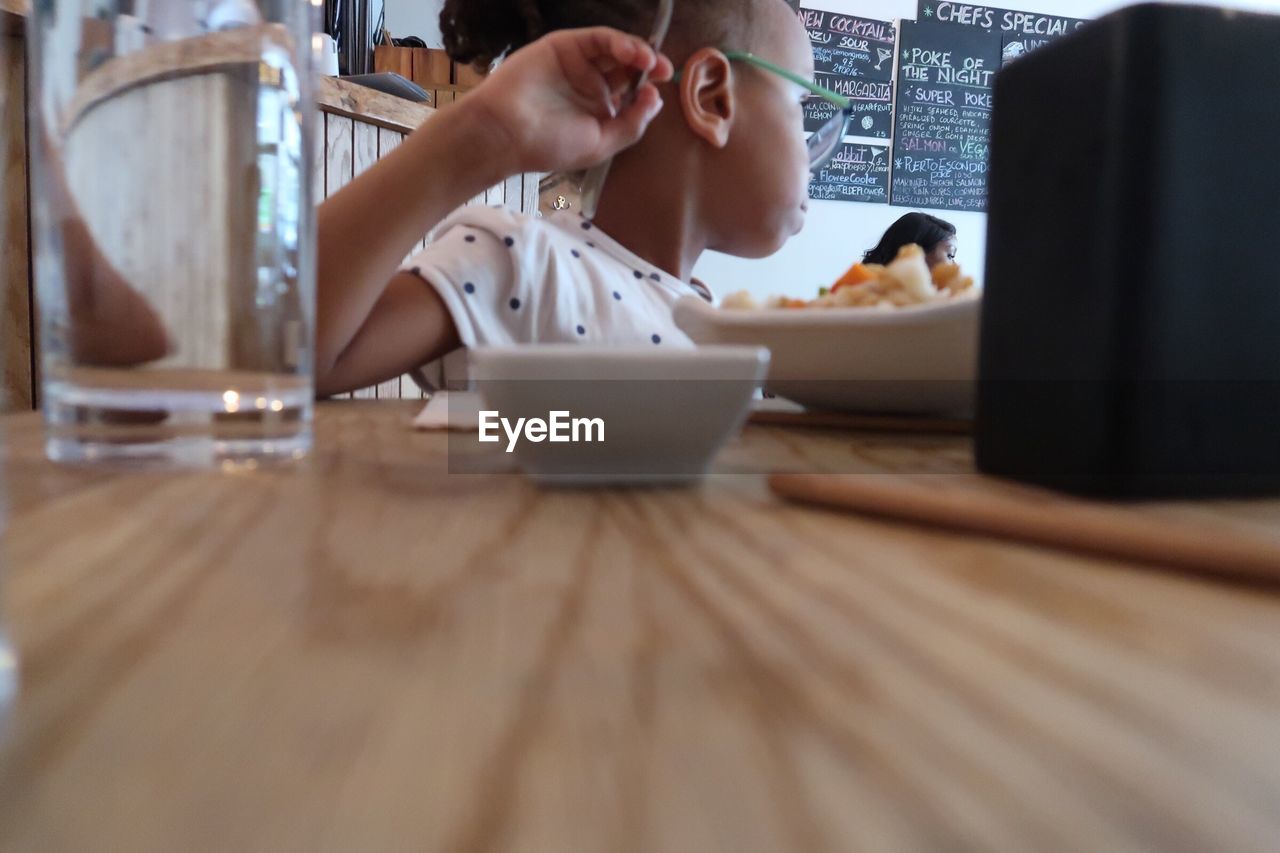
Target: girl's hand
[(557, 103)]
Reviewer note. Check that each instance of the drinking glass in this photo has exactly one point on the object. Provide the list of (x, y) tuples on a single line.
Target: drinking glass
[(173, 228)]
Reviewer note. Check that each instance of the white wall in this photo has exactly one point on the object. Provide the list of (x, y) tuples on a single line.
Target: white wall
[(419, 18), (836, 233)]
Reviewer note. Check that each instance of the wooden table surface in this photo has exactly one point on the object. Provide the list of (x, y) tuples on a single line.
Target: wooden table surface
[(365, 653)]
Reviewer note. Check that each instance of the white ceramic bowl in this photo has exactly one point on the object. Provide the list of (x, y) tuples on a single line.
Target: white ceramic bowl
[(914, 360), (665, 412)]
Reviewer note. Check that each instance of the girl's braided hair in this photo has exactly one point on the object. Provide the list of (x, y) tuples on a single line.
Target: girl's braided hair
[(480, 31)]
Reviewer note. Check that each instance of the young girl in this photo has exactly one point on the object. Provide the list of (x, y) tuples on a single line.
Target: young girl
[(722, 166)]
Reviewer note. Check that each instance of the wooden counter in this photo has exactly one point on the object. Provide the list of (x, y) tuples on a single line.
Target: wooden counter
[(365, 653)]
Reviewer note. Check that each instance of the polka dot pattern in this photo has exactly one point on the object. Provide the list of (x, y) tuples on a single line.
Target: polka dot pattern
[(601, 261)]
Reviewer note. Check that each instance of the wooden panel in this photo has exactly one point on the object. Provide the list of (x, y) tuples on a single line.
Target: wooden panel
[(467, 77), (496, 195), (431, 67), (365, 146), (319, 144), (174, 226), (15, 269), (203, 55), (444, 97), (369, 105), (364, 155), (338, 154), (529, 196), (397, 60), (402, 387), (514, 192), (263, 335), (13, 16)]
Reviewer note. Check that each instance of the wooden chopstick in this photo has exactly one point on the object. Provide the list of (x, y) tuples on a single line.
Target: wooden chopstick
[(867, 423), (1025, 514)]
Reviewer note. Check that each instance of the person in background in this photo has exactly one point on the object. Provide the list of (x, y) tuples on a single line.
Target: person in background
[(723, 165), (936, 236)]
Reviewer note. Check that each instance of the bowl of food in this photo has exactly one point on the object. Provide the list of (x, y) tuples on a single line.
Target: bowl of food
[(899, 339), (594, 415)]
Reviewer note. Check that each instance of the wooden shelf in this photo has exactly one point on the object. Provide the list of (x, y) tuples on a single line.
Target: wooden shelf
[(13, 16), (341, 97)]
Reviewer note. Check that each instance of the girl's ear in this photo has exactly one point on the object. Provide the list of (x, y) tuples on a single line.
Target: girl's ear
[(706, 96)]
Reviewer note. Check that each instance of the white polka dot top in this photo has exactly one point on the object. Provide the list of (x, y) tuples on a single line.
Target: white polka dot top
[(507, 278)]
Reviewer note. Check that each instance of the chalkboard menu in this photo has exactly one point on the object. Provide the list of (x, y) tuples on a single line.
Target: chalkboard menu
[(858, 172), (847, 46), (854, 57), (1021, 32), (872, 106), (945, 78)]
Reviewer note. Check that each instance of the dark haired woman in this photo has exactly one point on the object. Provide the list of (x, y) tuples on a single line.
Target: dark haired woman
[(936, 236)]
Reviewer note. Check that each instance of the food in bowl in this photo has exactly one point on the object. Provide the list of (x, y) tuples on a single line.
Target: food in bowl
[(906, 281)]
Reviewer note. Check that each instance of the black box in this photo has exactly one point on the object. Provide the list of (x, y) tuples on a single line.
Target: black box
[(1131, 319)]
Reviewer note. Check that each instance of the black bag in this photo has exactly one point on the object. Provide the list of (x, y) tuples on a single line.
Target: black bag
[(1131, 319)]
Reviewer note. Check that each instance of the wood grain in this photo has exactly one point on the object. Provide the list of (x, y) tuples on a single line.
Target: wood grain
[(394, 60), (444, 97), (529, 193), (402, 387), (497, 195), (431, 67), (364, 155), (339, 148), (364, 652), (173, 224), (813, 419), (319, 149), (338, 153), (230, 51), (13, 15), (513, 192), (15, 267), (1019, 513), (351, 100), (467, 76)]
